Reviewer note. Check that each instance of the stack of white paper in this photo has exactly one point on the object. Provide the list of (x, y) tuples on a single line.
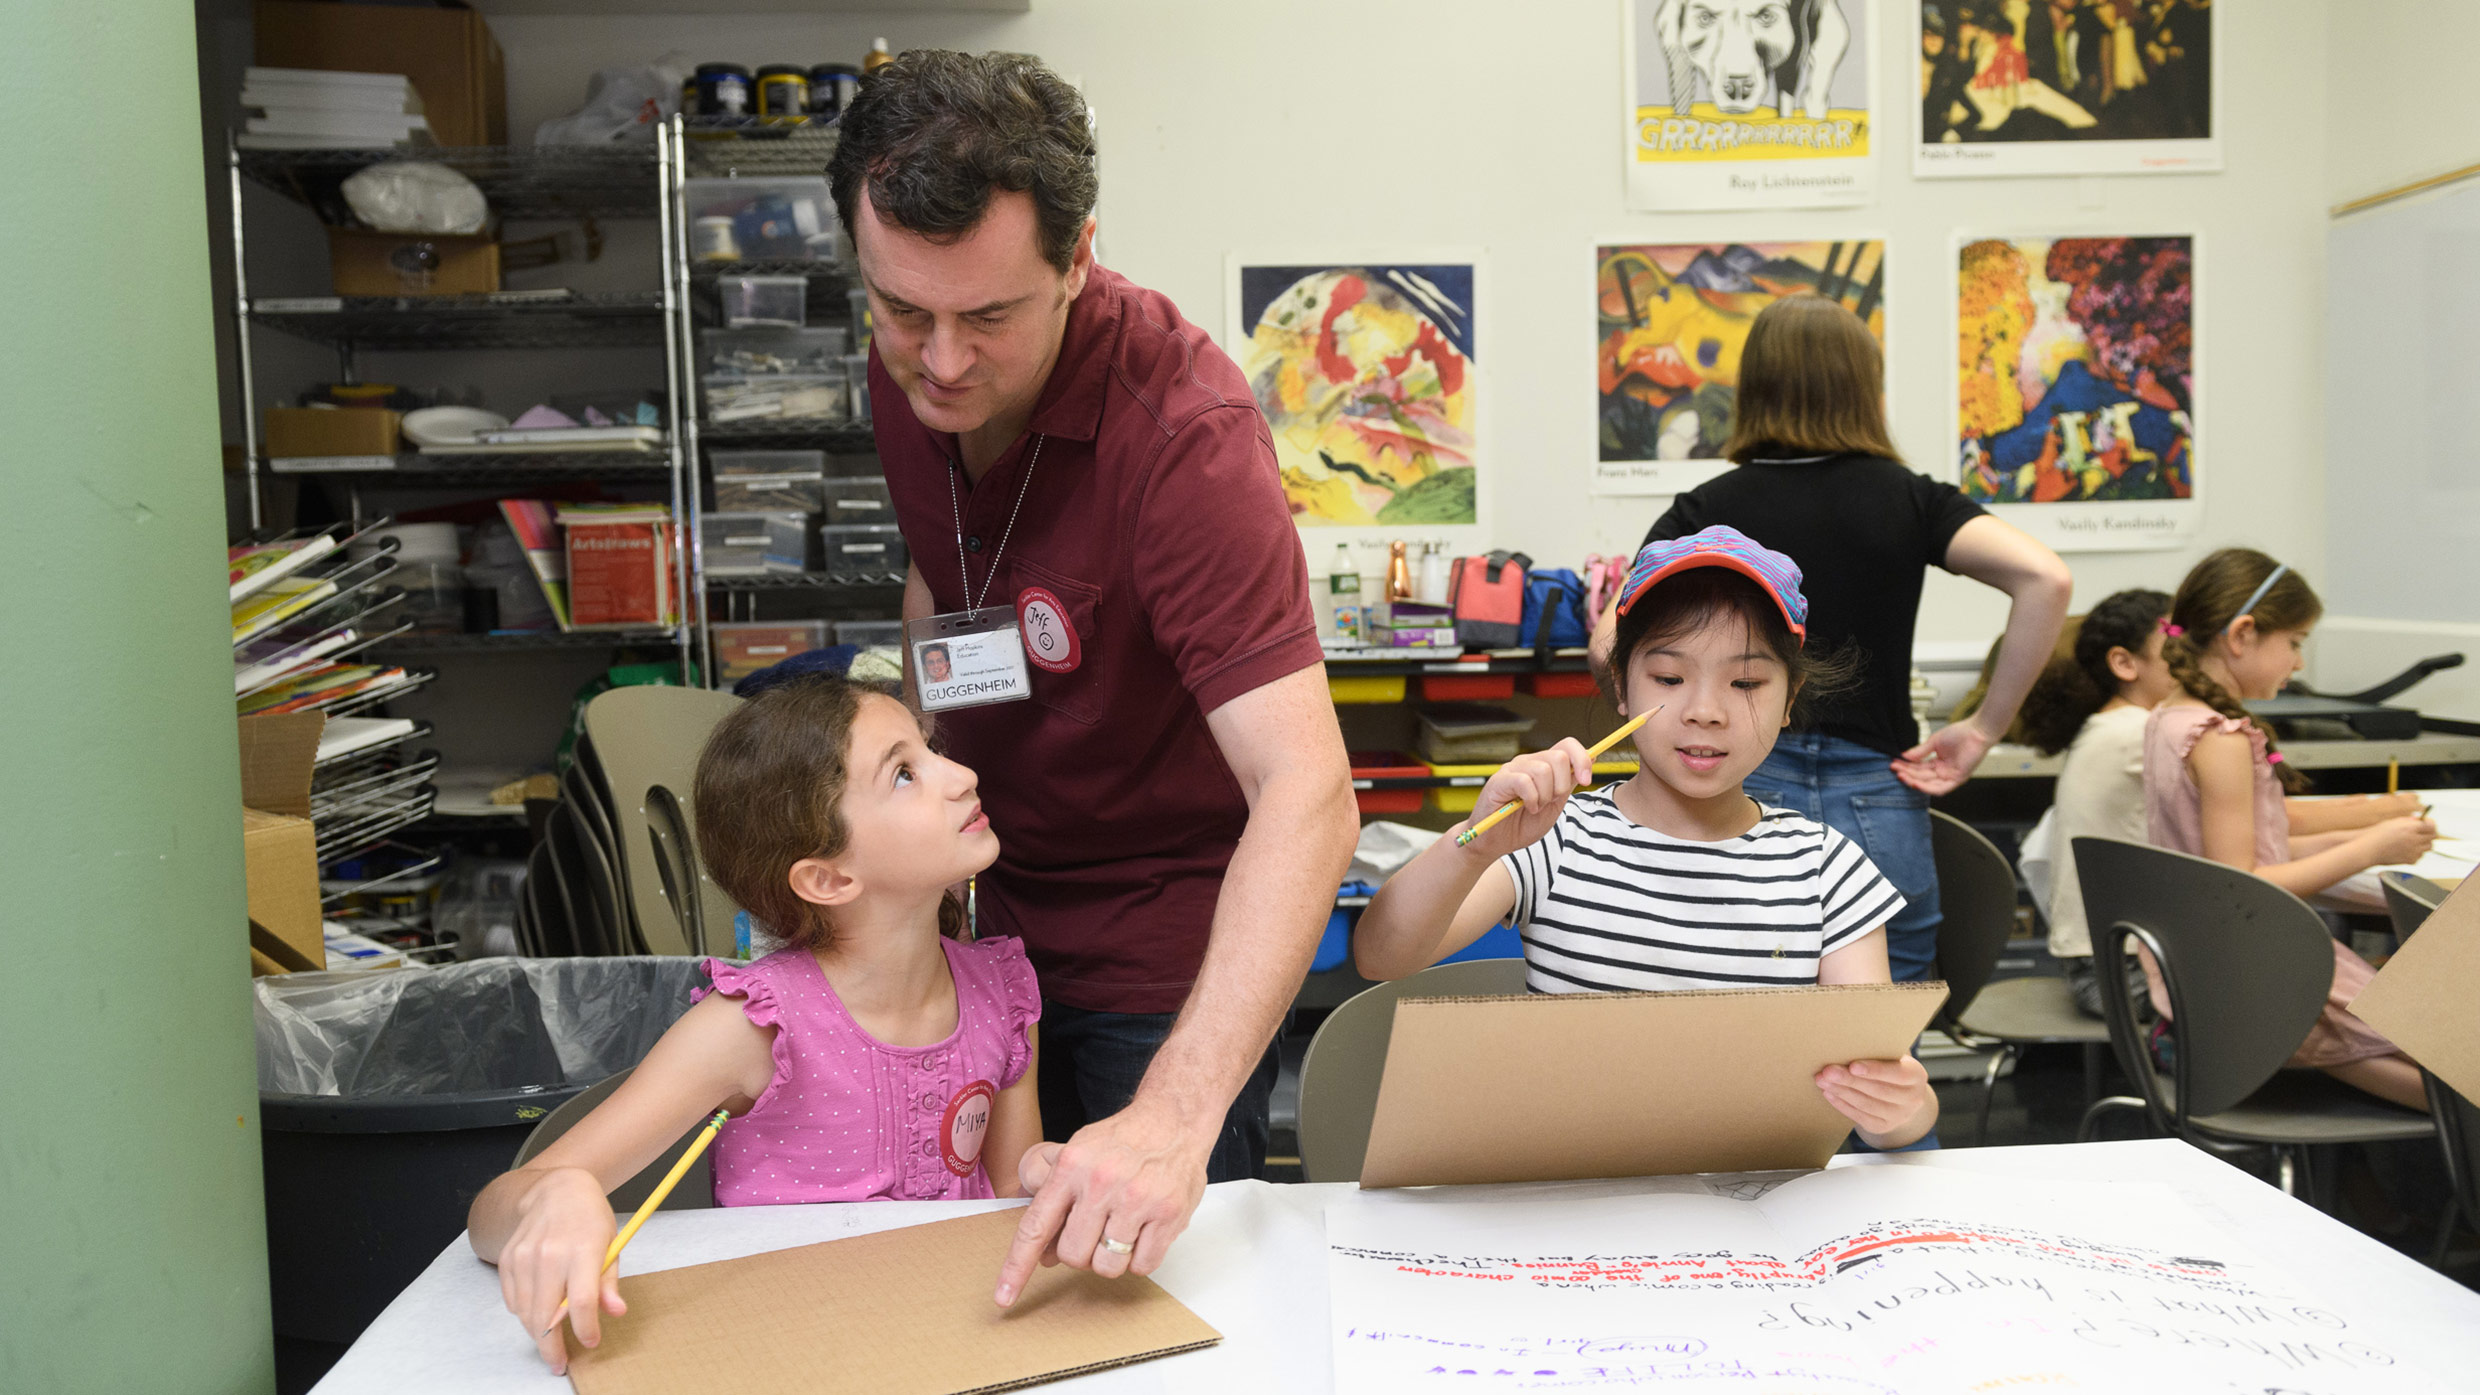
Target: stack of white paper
[(313, 109)]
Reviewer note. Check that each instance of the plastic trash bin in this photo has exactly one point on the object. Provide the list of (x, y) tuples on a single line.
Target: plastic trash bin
[(388, 1100)]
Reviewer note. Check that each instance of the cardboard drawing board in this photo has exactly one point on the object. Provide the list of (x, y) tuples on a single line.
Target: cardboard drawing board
[(1553, 1087), (2422, 998), (904, 1312)]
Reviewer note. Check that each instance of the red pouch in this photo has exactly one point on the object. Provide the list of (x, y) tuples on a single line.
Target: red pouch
[(1487, 595)]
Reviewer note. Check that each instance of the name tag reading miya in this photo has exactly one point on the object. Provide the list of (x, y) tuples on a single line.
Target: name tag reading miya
[(968, 658)]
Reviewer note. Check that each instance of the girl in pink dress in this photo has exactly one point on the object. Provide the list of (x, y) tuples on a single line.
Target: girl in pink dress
[(2213, 786), (876, 1056)]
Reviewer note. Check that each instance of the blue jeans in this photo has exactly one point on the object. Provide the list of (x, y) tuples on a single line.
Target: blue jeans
[(1092, 1061), (1851, 789)]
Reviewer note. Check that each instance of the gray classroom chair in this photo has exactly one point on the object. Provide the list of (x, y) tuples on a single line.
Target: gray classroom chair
[(2409, 900), (697, 1186), (1339, 1075), (2247, 966), (2458, 1128), (1976, 897), (646, 743)]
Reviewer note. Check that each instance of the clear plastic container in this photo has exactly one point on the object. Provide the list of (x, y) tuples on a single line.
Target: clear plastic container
[(857, 374), (777, 219), (773, 302), (859, 499), (870, 549), (870, 634), (818, 397), (752, 544), (743, 648), (1471, 732), (770, 493), (858, 303), (767, 462), (776, 350)]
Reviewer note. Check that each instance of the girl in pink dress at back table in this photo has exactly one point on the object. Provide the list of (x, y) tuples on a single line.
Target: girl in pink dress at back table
[(2213, 787), (875, 1057)]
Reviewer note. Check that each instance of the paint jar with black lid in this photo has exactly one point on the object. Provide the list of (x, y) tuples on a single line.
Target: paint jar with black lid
[(783, 94), (722, 89)]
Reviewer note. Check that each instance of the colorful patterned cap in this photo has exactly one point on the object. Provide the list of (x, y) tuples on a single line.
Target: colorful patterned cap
[(1722, 546)]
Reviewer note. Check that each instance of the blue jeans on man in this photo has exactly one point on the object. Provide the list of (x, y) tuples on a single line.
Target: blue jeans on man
[(1091, 1065)]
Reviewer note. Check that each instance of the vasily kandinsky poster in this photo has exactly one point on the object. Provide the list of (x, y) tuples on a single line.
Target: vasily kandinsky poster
[(2013, 87), (1365, 371), (1749, 103), (2076, 393), (1671, 321)]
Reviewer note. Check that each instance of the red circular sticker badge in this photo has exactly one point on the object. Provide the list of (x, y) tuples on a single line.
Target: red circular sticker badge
[(1050, 641), (966, 1124)]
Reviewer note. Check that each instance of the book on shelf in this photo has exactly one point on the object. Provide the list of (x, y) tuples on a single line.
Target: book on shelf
[(619, 565), (256, 669), (256, 566), (287, 597), (323, 686), (539, 534), (342, 736), (369, 128)]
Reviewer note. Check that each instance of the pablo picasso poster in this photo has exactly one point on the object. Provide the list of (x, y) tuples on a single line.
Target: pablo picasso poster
[(2014, 87), (2076, 403), (1748, 103), (1365, 371), (1671, 321)]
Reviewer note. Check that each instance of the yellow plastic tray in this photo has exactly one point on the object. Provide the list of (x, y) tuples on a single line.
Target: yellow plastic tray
[(1366, 689), (1460, 797)]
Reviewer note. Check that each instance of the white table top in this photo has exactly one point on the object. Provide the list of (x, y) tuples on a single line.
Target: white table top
[(1253, 1264)]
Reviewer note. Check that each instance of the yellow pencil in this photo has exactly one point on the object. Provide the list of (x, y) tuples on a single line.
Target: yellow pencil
[(1591, 754), (2393, 775), (654, 1202)]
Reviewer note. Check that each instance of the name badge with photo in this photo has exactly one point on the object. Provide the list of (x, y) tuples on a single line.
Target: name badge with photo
[(968, 658)]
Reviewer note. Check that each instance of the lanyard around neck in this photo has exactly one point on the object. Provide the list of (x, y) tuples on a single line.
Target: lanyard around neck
[(956, 507)]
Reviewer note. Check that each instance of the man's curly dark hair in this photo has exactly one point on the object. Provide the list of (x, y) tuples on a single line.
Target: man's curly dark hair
[(936, 132)]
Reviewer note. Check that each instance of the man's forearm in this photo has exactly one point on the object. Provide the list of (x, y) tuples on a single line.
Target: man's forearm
[(1277, 894)]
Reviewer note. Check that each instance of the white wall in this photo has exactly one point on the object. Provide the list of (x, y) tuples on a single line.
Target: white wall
[(2374, 145), (1287, 125)]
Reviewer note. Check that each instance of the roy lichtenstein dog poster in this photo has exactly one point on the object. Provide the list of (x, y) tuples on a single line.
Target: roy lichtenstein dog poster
[(1748, 103)]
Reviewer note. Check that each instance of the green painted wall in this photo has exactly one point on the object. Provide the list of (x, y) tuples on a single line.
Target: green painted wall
[(132, 1253)]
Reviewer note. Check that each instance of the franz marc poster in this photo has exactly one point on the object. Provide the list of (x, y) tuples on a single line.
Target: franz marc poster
[(1749, 103)]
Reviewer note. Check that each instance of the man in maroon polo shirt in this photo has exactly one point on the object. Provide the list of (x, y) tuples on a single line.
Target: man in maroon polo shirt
[(1171, 795)]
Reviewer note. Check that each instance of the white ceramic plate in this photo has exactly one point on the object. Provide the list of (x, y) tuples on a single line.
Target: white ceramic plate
[(450, 426)]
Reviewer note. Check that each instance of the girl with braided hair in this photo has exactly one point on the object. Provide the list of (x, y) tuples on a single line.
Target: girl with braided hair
[(2214, 782)]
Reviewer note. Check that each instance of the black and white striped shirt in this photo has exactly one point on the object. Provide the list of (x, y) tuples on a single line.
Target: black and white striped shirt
[(1606, 904)]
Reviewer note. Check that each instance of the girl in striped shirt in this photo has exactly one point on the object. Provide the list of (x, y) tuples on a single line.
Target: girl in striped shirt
[(1673, 878)]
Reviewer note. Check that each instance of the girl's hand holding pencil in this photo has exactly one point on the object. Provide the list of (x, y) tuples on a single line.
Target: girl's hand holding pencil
[(565, 1228), (1523, 798)]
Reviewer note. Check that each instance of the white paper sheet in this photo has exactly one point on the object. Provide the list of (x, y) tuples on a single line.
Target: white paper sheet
[(1851, 1280)]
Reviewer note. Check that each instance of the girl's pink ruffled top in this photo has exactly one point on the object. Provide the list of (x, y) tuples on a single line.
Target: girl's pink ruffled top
[(850, 1118)]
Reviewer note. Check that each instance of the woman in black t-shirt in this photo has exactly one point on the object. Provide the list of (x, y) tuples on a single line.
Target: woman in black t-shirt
[(1819, 481)]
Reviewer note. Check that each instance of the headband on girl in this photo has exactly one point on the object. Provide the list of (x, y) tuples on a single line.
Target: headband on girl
[(2279, 568)]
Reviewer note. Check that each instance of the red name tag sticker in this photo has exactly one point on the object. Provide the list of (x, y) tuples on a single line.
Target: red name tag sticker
[(1050, 641), (967, 1123)]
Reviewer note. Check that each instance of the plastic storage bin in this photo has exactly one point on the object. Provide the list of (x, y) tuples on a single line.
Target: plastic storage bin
[(859, 499), (769, 480), (744, 647), (1370, 768), (1463, 788), (751, 544), (765, 397), (775, 349), (387, 1100), (778, 219), (776, 302), (857, 377), (1467, 687), (869, 549), (1469, 732), (870, 634), (1364, 689)]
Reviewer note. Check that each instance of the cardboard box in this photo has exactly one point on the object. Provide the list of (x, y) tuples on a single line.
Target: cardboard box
[(1463, 1099), (2422, 998), (448, 53), (315, 431), (279, 848), (396, 264)]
